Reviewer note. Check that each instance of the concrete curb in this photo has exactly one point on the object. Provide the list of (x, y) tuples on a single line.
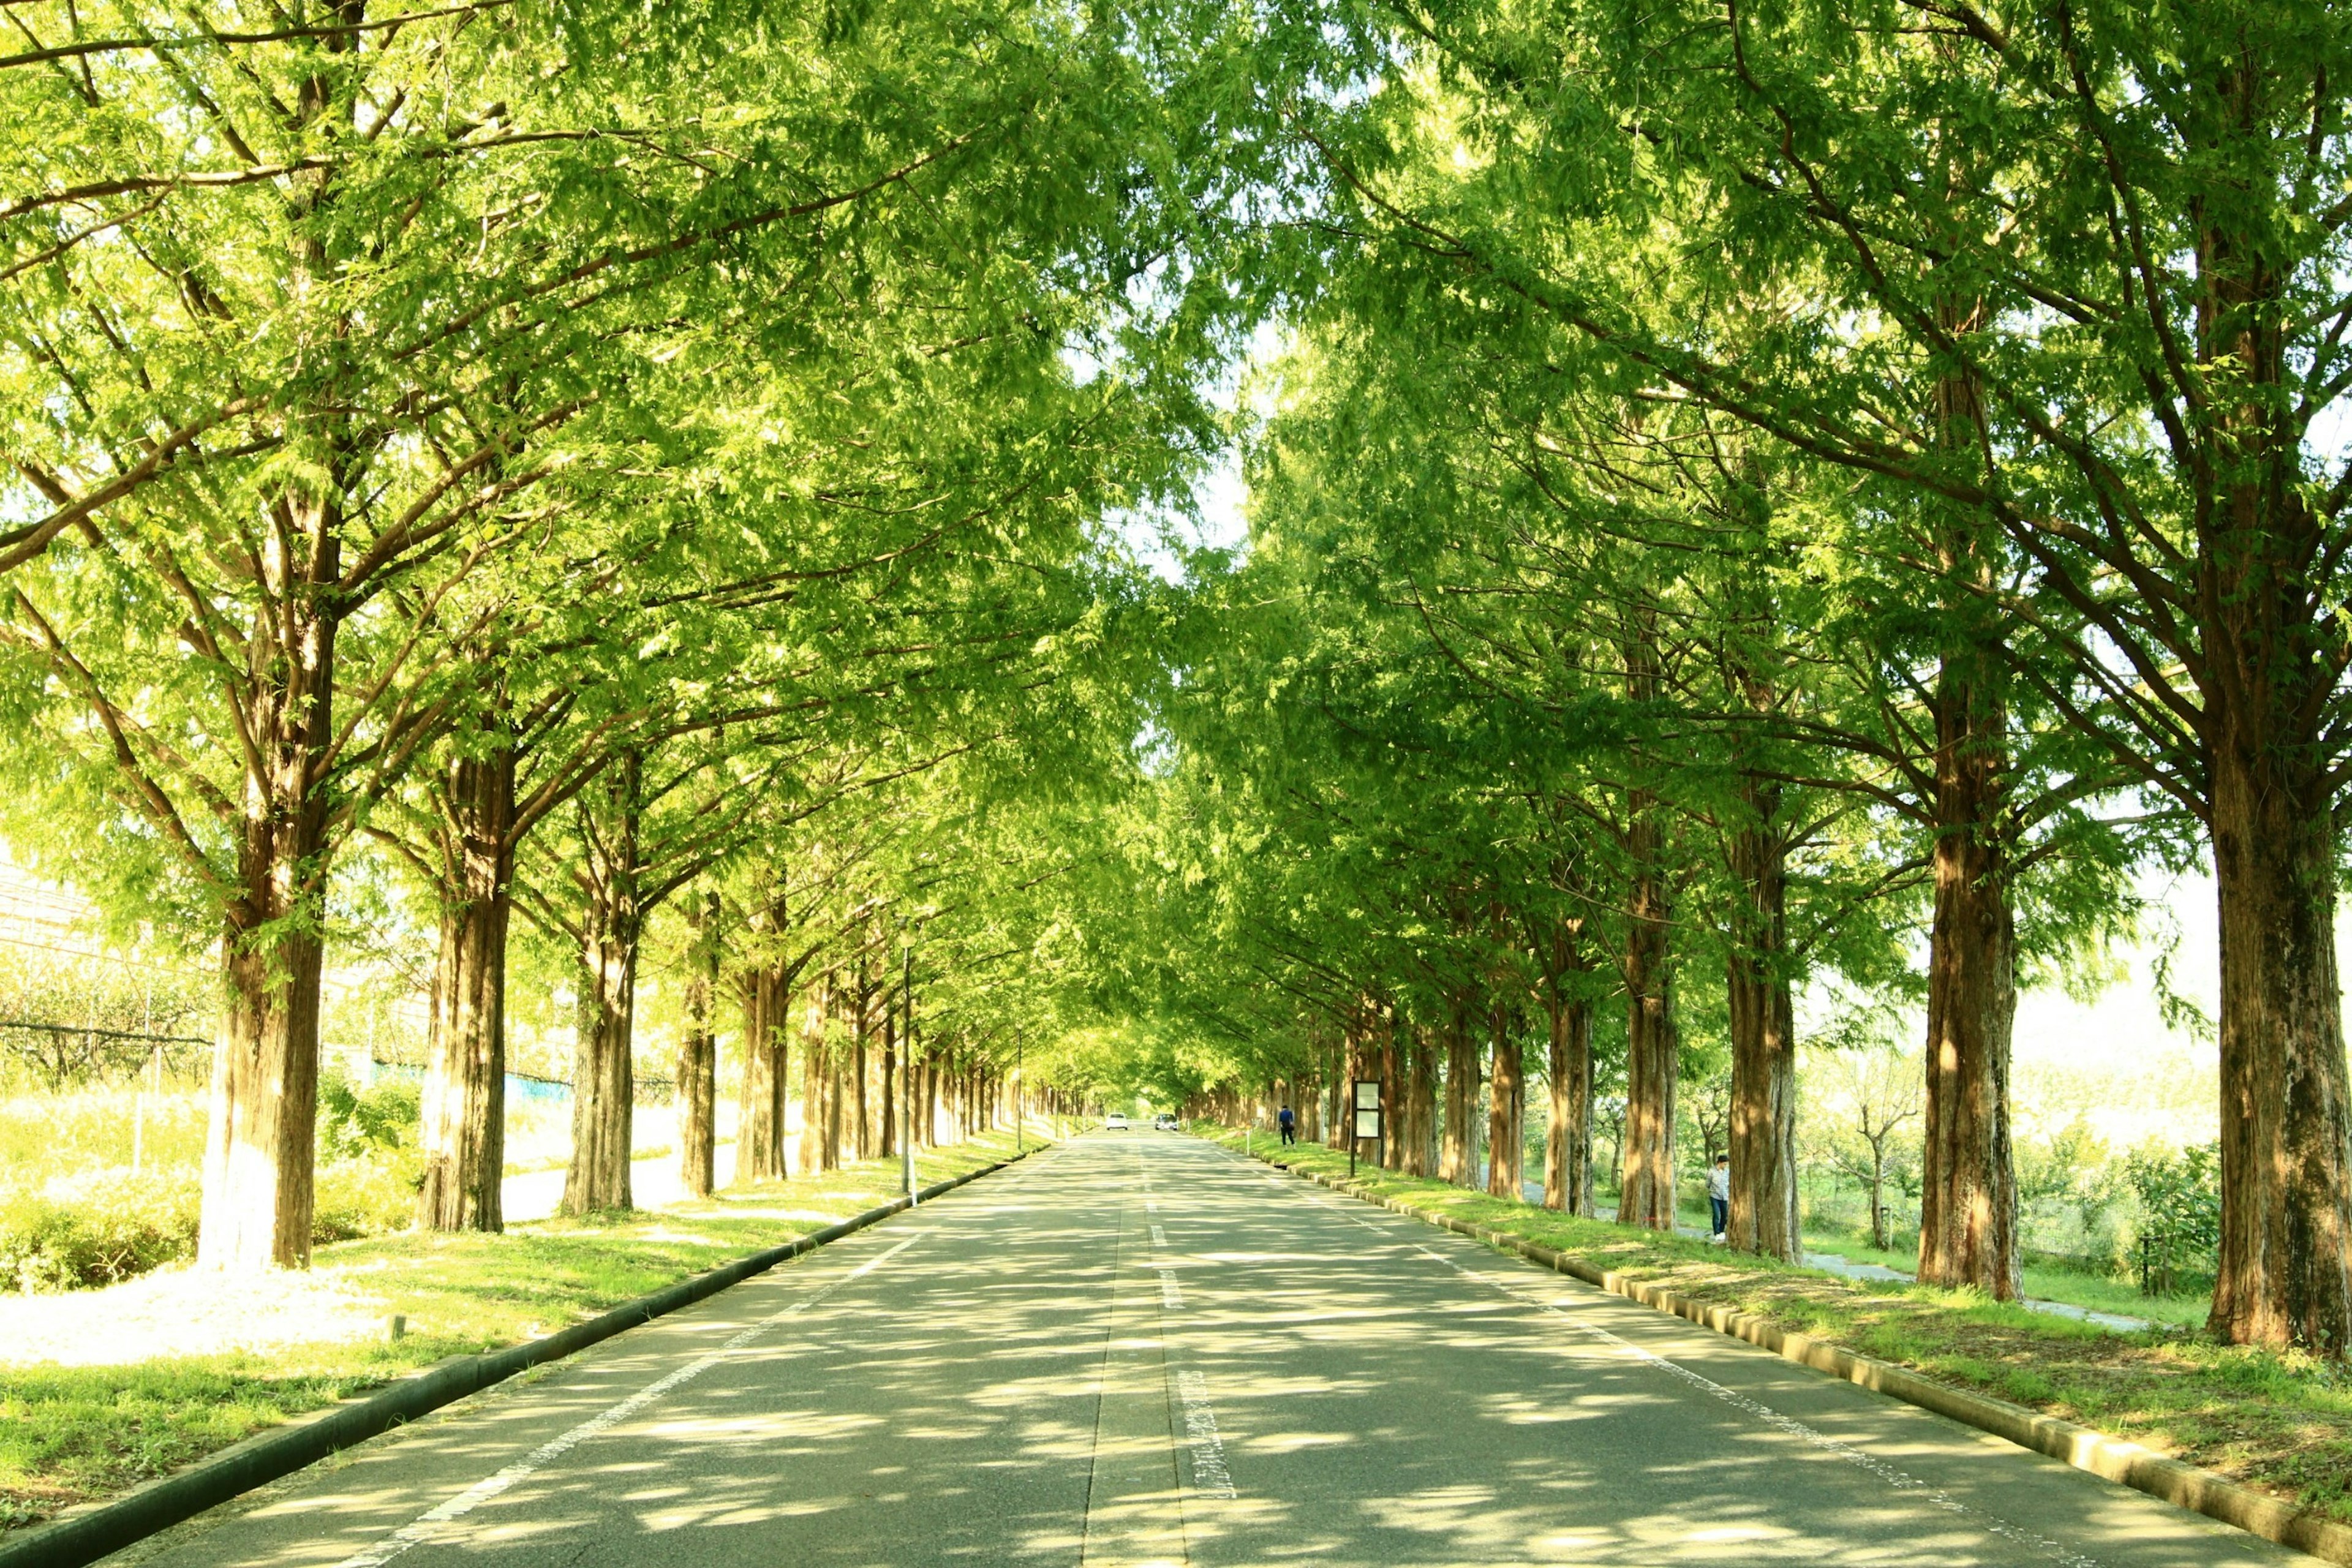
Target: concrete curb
[(84, 1534), (2183, 1486)]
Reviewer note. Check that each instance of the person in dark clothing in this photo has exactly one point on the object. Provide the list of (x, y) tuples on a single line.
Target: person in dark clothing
[(1289, 1125)]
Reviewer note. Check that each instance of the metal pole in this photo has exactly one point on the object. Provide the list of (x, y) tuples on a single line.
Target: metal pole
[(1020, 1098), (907, 1072)]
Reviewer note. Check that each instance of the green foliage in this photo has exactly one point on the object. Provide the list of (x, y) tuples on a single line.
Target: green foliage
[(97, 1231), (355, 1121), (2180, 1223)]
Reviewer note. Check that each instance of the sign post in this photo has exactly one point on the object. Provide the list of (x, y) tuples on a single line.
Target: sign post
[(1364, 1117)]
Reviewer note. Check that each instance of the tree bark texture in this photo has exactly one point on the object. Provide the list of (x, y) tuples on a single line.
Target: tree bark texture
[(1391, 1086), (1568, 1140), (695, 1097), (1968, 1198), (604, 1081), (1421, 1107), (260, 1145), (1652, 1044), (463, 1126), (1763, 1130), (761, 1107), (2269, 641), (1506, 1111), (1458, 1154)]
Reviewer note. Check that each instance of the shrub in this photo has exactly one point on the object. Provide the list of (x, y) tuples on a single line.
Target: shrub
[(103, 1228), (2179, 1194), (366, 1196), (354, 1121)]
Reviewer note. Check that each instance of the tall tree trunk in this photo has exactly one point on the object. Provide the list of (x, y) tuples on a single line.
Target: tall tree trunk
[(604, 1084), (695, 1095), (1507, 1111), (813, 1022), (1968, 1199), (1419, 1107), (1457, 1160), (1568, 1140), (1392, 1095), (1763, 1130), (463, 1126), (2268, 636), (761, 1107), (260, 1145), (1653, 1044), (2286, 1155)]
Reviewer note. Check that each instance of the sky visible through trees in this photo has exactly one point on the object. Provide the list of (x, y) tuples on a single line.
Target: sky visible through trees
[(1566, 557)]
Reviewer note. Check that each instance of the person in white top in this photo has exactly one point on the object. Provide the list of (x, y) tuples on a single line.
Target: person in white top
[(1718, 1195)]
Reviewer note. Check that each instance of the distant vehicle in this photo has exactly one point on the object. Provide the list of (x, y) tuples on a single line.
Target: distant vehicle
[(1163, 1122), (1115, 1123)]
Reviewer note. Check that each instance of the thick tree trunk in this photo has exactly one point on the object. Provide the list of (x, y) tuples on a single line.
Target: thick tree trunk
[(1391, 1092), (759, 1109), (2285, 1274), (1568, 1141), (1763, 1130), (1421, 1107), (1967, 1201), (812, 1020), (603, 1081), (696, 1096), (1507, 1112), (259, 1195), (1457, 1160), (260, 1147), (1653, 1046), (463, 1130), (2268, 635)]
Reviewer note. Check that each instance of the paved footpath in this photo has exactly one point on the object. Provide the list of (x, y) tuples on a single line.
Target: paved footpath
[(1141, 1349)]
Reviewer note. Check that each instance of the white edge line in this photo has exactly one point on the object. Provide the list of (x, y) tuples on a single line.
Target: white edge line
[(422, 1528)]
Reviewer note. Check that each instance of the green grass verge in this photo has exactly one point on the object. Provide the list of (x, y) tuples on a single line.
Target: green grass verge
[(70, 1434), (2279, 1423)]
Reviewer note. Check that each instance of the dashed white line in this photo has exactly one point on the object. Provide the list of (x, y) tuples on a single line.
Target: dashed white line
[(1210, 1477), (482, 1492)]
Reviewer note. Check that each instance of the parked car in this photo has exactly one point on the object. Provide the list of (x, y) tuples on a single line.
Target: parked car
[(1115, 1123), (1163, 1122)]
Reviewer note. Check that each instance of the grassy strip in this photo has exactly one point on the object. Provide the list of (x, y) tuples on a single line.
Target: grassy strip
[(70, 1434), (2279, 1423)]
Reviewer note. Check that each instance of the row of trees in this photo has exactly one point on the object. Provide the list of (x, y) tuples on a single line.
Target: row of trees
[(1763, 495), (598, 460)]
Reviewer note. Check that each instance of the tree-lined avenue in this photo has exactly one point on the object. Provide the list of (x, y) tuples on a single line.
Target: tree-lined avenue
[(1140, 1349)]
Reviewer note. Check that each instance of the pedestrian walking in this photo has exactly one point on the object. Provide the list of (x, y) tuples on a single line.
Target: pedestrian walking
[(1718, 1195), (1289, 1125)]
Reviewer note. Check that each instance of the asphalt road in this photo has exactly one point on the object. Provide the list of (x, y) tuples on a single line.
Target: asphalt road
[(1140, 1349)]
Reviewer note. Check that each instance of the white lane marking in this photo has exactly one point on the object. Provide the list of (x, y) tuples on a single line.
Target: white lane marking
[(1159, 1237), (1210, 1477), (482, 1492), (1170, 1296), (1890, 1476)]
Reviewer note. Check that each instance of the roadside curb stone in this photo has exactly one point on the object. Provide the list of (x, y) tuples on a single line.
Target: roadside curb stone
[(2113, 1458), (82, 1535)]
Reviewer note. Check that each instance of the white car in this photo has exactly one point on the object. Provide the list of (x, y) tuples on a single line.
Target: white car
[(1163, 1122), (1115, 1123)]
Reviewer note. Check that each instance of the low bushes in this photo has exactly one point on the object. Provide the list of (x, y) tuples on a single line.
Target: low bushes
[(94, 1230)]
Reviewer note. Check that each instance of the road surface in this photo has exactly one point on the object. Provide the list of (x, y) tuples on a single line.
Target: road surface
[(1141, 1349)]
